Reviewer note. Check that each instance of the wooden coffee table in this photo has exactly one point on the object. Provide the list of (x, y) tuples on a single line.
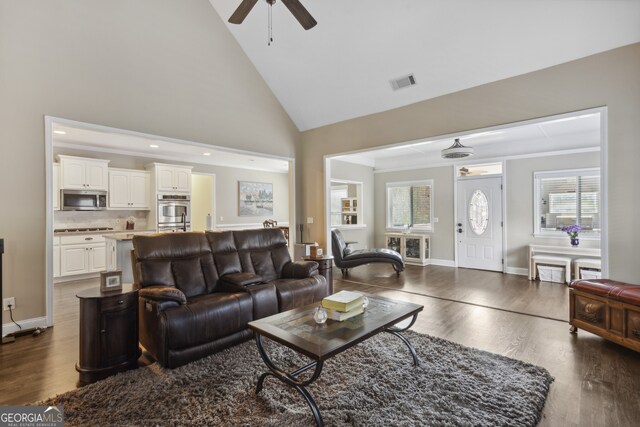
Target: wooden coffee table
[(297, 330)]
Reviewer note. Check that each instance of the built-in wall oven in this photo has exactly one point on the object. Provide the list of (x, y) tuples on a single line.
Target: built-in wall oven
[(174, 212)]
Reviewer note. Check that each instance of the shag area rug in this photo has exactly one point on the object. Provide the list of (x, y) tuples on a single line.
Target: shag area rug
[(371, 384)]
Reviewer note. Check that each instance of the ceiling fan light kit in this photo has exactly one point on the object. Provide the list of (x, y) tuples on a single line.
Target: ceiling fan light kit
[(295, 7), (457, 151)]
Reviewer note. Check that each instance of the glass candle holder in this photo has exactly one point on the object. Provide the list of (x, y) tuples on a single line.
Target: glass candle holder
[(320, 315)]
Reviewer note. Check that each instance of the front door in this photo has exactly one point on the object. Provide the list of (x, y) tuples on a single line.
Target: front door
[(479, 223)]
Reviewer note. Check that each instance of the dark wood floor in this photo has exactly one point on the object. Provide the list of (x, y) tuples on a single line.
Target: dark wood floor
[(597, 383)]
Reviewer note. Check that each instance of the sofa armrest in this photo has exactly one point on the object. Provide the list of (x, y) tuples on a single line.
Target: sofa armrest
[(163, 293), (241, 279), (299, 269)]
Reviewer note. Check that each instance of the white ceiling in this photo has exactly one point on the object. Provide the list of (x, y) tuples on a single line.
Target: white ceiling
[(114, 142), (553, 136), (341, 68)]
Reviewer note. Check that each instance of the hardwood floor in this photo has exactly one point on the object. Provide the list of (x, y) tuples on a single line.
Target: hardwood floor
[(597, 383)]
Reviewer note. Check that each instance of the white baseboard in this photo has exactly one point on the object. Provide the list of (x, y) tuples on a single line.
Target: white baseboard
[(517, 270), (443, 262), (36, 322)]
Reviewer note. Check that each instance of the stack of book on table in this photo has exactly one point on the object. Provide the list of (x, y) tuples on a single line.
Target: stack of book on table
[(343, 305)]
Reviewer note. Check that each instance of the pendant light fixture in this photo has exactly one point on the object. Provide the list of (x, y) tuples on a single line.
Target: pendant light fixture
[(457, 151)]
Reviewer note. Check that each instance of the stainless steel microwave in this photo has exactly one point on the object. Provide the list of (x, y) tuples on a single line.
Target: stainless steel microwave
[(83, 200)]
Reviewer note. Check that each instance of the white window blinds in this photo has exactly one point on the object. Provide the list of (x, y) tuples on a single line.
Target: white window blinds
[(566, 198)]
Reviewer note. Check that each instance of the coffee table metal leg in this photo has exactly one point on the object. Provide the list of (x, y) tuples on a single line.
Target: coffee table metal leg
[(291, 378), (396, 331)]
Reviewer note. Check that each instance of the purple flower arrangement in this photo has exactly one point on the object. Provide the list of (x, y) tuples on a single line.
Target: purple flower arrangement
[(572, 230)]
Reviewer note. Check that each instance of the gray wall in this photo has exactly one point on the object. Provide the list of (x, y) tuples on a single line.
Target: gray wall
[(442, 243), (520, 207), (364, 174), (607, 79), (162, 67)]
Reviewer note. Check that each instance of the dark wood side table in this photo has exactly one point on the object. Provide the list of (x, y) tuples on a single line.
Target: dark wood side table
[(325, 268), (108, 333)]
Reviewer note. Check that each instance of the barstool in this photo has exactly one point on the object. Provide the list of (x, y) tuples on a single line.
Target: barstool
[(595, 263), (561, 261)]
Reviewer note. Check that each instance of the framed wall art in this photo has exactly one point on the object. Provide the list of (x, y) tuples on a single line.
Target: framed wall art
[(255, 198)]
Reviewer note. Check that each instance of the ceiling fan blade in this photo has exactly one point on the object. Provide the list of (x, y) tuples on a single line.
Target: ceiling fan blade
[(242, 11), (300, 13)]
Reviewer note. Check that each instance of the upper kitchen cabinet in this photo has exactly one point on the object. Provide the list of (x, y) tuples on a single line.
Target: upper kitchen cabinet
[(129, 189), (171, 178), (79, 173)]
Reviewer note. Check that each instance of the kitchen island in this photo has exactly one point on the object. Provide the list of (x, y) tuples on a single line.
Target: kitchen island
[(119, 247)]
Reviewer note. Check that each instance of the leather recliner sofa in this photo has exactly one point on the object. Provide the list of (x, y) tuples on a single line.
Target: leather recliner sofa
[(198, 291)]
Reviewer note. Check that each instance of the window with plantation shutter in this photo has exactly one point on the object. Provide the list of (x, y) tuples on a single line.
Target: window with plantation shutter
[(410, 204), (567, 197)]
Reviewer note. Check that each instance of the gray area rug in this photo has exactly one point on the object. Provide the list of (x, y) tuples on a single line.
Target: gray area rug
[(371, 384)]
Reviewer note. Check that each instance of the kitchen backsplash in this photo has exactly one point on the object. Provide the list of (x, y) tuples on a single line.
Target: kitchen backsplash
[(114, 219)]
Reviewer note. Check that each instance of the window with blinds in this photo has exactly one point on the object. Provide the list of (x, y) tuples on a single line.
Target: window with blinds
[(410, 204), (568, 197)]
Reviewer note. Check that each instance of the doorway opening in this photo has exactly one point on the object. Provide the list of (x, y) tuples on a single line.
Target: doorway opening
[(123, 161)]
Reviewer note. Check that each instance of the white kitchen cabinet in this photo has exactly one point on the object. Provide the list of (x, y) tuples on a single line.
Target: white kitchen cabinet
[(79, 173), (414, 248), (56, 257), (112, 259), (129, 189), (171, 178), (56, 187), (82, 254)]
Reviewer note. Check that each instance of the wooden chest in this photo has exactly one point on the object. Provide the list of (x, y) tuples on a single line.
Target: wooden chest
[(611, 319)]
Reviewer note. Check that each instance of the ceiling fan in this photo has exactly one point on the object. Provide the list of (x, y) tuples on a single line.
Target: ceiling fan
[(295, 7)]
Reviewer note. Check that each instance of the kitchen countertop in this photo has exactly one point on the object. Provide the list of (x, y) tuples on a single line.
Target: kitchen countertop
[(128, 234), (100, 232)]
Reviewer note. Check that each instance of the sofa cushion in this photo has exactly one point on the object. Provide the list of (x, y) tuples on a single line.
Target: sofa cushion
[(189, 277), (293, 293), (207, 318), (181, 260)]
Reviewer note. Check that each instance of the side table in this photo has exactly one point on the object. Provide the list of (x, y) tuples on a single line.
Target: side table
[(325, 268), (108, 333)]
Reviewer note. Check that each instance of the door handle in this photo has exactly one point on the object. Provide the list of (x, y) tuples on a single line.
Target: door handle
[(459, 224), (459, 230)]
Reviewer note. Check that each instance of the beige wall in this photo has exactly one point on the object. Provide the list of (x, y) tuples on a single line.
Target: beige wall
[(201, 201), (163, 67), (608, 79)]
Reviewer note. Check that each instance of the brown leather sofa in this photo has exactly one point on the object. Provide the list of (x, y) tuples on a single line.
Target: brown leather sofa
[(198, 291)]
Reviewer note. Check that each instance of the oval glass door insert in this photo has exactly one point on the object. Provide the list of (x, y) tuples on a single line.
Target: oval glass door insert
[(478, 212)]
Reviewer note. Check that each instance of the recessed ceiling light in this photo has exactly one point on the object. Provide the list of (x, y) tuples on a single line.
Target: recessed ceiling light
[(60, 132), (153, 146), (206, 154)]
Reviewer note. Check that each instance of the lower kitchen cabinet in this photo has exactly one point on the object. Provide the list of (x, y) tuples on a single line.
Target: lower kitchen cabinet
[(82, 258)]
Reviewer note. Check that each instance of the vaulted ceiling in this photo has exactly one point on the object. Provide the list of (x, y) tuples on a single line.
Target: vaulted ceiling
[(341, 68)]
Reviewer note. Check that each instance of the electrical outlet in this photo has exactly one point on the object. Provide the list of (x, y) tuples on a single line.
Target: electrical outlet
[(221, 218), (9, 301), (309, 220)]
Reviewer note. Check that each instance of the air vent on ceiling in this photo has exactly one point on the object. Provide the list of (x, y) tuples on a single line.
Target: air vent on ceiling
[(405, 81)]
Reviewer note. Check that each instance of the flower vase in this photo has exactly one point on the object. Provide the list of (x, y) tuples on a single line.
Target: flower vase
[(575, 241)]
